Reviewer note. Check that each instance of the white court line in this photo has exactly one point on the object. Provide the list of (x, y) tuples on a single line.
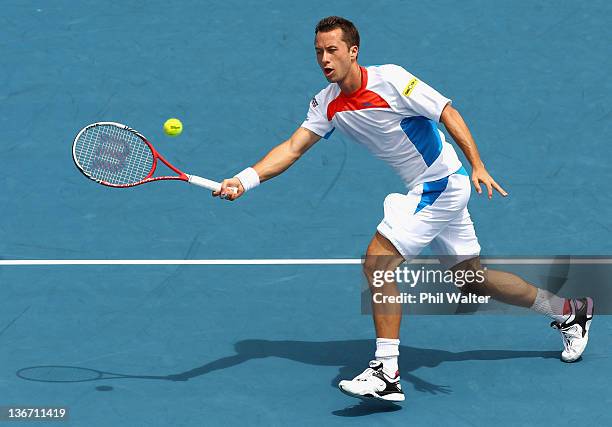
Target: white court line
[(332, 261), (298, 261)]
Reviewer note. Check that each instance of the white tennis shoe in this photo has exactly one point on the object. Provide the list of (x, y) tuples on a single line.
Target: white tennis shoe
[(373, 383), (575, 329)]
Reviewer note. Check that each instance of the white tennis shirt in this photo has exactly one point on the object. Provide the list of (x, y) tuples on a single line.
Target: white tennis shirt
[(395, 116)]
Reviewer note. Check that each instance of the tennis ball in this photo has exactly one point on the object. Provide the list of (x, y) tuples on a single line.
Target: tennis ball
[(173, 127)]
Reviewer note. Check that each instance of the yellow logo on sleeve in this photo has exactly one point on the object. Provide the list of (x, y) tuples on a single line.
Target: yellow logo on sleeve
[(410, 87)]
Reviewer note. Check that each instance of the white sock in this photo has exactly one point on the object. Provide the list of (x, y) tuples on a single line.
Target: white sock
[(387, 351), (550, 304)]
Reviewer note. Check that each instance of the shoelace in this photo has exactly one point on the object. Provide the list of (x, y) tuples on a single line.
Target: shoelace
[(364, 375), (568, 334)]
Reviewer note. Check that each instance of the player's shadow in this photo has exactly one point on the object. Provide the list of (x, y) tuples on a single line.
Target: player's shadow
[(351, 357)]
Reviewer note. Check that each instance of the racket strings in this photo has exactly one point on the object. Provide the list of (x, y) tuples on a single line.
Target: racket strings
[(113, 154)]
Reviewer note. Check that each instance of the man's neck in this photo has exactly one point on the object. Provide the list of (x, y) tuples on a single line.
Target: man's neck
[(352, 82)]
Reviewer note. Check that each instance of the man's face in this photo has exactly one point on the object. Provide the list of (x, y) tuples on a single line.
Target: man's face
[(333, 55)]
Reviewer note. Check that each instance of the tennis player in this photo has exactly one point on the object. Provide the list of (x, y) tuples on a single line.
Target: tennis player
[(395, 115)]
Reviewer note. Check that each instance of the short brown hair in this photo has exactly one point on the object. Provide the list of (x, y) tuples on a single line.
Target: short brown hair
[(350, 35)]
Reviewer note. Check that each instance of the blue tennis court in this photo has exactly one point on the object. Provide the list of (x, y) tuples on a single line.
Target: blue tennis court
[(191, 345)]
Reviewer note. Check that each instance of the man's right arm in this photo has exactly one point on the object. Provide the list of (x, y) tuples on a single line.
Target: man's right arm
[(278, 160)]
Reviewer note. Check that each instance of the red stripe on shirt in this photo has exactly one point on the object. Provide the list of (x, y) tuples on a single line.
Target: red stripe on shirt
[(361, 99)]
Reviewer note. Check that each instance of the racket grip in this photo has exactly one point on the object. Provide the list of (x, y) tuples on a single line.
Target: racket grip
[(203, 182)]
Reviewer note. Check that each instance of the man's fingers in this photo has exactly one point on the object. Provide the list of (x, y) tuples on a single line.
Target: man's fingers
[(489, 189), (499, 189), (226, 194), (230, 194), (477, 186), (486, 179), (230, 190), (222, 193)]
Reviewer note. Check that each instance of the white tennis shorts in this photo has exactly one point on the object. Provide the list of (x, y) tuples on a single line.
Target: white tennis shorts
[(432, 213)]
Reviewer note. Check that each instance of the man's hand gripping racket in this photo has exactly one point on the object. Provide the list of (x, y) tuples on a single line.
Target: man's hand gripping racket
[(230, 189), (117, 156)]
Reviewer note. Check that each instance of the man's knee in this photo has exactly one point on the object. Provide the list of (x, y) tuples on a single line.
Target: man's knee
[(380, 270), (381, 255), (374, 263), (374, 271), (473, 276)]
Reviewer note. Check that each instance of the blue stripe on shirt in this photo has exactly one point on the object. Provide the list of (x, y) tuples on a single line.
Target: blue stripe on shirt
[(423, 133)]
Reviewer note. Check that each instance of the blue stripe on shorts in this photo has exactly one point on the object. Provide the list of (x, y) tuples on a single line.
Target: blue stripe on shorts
[(431, 191), (462, 171)]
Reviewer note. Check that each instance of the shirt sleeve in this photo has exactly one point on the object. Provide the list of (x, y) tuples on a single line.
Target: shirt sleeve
[(316, 120), (414, 97)]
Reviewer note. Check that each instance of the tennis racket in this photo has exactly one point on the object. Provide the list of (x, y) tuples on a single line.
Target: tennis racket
[(118, 156)]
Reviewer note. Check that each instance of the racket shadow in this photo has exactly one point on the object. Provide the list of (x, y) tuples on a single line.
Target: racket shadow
[(75, 374)]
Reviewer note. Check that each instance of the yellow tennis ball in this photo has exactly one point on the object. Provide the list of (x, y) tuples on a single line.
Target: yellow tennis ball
[(173, 127)]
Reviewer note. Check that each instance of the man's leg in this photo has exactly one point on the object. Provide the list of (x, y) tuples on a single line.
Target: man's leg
[(410, 223), (571, 316), (512, 289), (499, 285), (381, 256), (381, 380)]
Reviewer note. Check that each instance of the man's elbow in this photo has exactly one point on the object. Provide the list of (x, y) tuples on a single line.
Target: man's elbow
[(447, 113)]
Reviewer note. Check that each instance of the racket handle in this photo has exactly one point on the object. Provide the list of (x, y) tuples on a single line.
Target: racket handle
[(203, 182)]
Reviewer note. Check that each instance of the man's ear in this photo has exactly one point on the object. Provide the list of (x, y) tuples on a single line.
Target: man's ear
[(354, 51)]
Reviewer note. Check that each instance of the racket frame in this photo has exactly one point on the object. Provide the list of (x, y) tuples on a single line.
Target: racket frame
[(182, 176)]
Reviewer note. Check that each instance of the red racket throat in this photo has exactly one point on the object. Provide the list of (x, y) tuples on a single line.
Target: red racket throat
[(181, 176)]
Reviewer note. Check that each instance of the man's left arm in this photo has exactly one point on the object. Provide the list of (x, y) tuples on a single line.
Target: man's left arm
[(458, 130)]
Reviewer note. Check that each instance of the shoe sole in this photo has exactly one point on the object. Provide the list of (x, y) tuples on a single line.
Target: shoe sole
[(399, 398)]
